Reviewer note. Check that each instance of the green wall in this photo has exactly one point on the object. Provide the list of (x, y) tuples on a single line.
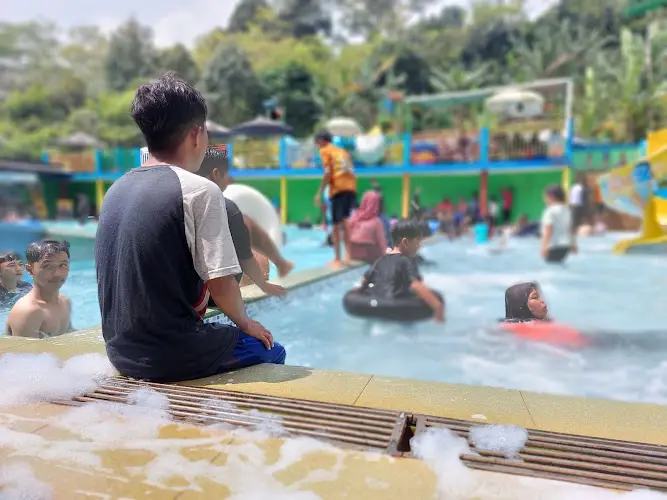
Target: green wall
[(528, 187)]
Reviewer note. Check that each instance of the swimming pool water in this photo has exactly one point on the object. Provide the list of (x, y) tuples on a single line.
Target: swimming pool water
[(304, 248), (618, 300)]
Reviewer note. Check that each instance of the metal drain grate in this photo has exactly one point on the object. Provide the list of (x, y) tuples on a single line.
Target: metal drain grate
[(621, 465), (356, 427)]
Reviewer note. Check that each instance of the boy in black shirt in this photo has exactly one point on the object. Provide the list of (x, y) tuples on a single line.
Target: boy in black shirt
[(214, 168), (396, 275)]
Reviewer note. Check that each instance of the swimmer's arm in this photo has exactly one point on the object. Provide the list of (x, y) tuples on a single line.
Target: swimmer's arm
[(421, 291), (226, 294), (25, 320), (251, 268)]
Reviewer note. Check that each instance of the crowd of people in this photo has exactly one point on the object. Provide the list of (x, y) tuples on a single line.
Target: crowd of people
[(169, 245)]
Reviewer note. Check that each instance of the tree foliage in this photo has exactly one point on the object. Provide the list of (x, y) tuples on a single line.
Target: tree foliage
[(320, 60)]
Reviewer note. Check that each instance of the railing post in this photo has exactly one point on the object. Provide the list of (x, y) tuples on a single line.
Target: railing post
[(230, 155), (282, 153), (99, 158), (484, 143), (137, 158)]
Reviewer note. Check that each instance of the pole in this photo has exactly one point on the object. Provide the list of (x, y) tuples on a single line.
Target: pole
[(283, 200), (405, 209)]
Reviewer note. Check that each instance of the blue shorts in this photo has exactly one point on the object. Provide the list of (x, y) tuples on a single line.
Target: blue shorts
[(249, 351)]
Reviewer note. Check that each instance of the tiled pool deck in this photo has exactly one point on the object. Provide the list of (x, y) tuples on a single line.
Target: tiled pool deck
[(391, 478)]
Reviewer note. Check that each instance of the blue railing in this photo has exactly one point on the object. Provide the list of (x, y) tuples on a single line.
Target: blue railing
[(420, 152)]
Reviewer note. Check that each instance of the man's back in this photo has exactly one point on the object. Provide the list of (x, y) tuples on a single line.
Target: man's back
[(150, 257)]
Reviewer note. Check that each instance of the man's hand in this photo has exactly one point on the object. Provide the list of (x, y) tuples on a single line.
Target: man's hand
[(574, 248), (257, 331), (439, 315), (317, 201), (273, 290)]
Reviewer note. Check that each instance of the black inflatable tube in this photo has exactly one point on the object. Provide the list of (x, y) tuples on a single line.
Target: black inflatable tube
[(363, 305)]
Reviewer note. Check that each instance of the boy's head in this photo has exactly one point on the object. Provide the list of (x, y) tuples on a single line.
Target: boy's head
[(323, 138), (554, 194), (171, 115), (215, 167), (407, 236), (11, 267), (48, 263)]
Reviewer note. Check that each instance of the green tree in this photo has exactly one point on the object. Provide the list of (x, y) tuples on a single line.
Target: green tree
[(295, 89), (304, 17), (131, 55), (177, 58), (246, 13), (84, 54), (232, 89)]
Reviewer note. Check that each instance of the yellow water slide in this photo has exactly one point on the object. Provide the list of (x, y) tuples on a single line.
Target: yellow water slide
[(632, 189)]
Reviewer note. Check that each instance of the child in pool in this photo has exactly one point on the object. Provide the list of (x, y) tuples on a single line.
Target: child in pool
[(524, 303), (395, 274)]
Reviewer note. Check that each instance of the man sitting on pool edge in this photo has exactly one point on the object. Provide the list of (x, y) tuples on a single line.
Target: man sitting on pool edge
[(214, 168), (395, 274), (163, 247)]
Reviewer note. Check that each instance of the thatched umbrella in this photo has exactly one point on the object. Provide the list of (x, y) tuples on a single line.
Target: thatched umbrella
[(216, 132), (80, 140), (262, 127)]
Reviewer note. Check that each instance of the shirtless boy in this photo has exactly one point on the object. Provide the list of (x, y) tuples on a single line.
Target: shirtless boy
[(12, 287), (43, 312)]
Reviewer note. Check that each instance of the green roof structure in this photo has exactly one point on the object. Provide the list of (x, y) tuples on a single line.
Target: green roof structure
[(637, 8)]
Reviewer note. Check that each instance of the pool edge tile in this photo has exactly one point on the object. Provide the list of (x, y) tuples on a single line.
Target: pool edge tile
[(603, 418), (472, 403), (290, 382)]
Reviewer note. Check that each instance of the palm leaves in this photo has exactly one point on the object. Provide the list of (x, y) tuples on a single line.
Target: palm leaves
[(561, 52)]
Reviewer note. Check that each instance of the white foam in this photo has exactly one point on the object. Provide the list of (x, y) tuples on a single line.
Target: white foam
[(18, 482), (32, 378), (149, 398), (440, 449), (505, 439)]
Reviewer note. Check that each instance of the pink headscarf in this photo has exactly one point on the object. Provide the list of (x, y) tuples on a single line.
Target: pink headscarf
[(369, 208), (365, 226)]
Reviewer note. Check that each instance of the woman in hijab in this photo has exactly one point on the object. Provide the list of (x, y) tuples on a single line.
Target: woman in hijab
[(367, 238), (524, 303)]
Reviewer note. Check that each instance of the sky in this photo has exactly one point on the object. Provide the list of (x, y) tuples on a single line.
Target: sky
[(172, 21)]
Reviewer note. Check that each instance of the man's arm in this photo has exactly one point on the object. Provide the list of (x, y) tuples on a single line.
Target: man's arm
[(327, 164), (226, 294), (25, 320), (68, 302), (546, 230)]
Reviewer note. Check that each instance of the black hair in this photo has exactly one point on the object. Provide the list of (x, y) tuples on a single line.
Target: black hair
[(214, 158), (324, 135), (9, 256), (556, 193), (165, 110), (46, 248), (408, 229)]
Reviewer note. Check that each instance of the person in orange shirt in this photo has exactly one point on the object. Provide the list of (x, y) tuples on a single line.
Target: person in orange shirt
[(339, 176)]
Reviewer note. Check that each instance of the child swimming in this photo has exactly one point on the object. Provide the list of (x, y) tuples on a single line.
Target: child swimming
[(395, 274), (523, 303), (43, 312)]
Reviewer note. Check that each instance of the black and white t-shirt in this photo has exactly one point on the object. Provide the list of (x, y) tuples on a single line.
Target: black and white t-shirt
[(162, 234)]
